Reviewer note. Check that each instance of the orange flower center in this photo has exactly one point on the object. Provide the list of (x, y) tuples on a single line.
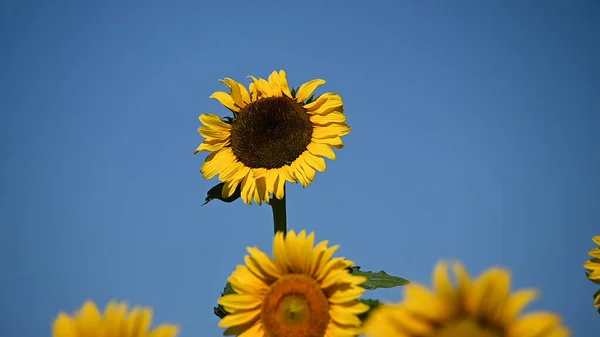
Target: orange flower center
[(295, 306)]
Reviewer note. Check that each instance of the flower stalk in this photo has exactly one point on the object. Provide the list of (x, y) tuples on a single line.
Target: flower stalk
[(279, 214)]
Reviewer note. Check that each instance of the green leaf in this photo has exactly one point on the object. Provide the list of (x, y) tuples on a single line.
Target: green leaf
[(219, 311), (293, 92), (380, 279), (310, 99), (373, 304), (216, 192)]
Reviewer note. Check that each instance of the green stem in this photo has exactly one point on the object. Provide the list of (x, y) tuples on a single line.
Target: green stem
[(279, 214)]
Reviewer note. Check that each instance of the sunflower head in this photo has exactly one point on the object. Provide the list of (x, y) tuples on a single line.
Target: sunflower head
[(484, 307), (276, 135), (593, 269), (301, 292), (115, 322)]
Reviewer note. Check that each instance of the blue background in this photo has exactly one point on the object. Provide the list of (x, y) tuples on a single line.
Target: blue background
[(475, 136)]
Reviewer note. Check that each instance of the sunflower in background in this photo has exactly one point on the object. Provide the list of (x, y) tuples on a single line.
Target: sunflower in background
[(276, 135), (593, 269), (116, 322), (302, 291), (483, 307)]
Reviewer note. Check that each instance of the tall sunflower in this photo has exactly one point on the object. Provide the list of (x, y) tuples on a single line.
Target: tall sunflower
[(484, 307), (301, 292), (276, 135), (593, 268), (115, 322)]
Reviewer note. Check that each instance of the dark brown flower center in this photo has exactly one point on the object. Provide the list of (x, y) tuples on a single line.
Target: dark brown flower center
[(270, 133)]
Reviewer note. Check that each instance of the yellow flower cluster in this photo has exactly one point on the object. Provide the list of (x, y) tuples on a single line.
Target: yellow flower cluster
[(280, 135), (593, 268)]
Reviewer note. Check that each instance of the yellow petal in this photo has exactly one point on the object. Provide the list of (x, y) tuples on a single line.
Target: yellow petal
[(343, 317), (405, 321), (165, 330), (271, 180), (321, 150), (238, 92), (212, 145), (288, 173), (227, 173), (64, 326), (261, 189), (343, 296), (517, 302), (592, 264), (114, 314), (88, 319), (214, 121), (382, 322), (356, 308), (309, 171), (334, 330), (253, 92), (274, 83), (241, 173), (478, 294), (328, 267), (325, 104), (320, 269), (248, 189), (216, 162), (210, 133), (558, 332), (330, 130), (332, 117), (268, 267), (463, 278), (255, 330), (307, 89), (243, 281), (236, 302), (596, 240), (238, 319), (226, 100), (595, 253), (299, 172), (263, 88), (292, 253), (230, 187), (498, 294), (441, 282), (280, 253), (424, 303), (317, 258), (138, 322), (284, 84), (280, 187), (532, 325), (335, 142)]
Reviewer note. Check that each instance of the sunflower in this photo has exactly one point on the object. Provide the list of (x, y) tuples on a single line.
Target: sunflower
[(275, 135), (593, 268), (484, 307), (115, 322), (301, 292)]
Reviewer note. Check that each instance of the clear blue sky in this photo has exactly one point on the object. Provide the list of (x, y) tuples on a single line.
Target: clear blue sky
[(475, 136)]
